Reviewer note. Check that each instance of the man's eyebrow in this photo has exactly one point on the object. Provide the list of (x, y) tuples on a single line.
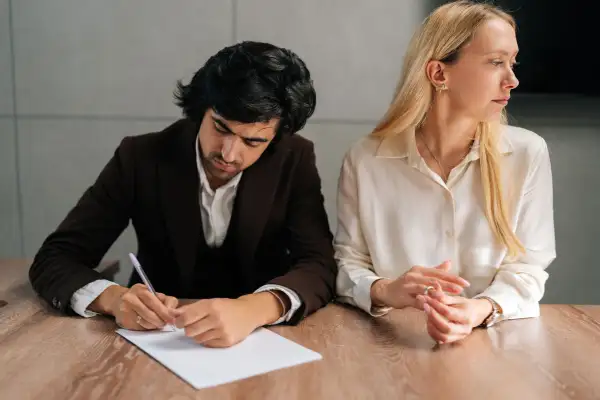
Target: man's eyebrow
[(224, 126)]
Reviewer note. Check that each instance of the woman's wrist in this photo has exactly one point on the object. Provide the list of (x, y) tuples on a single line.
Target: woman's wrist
[(483, 310), (378, 292)]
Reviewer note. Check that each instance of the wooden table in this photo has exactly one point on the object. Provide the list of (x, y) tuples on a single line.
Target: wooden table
[(557, 356)]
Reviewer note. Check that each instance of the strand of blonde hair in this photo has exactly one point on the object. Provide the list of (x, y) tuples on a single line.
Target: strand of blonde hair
[(491, 182)]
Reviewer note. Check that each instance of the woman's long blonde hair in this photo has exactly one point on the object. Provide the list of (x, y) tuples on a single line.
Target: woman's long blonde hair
[(443, 34)]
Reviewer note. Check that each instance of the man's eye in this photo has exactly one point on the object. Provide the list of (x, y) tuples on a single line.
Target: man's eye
[(251, 143)]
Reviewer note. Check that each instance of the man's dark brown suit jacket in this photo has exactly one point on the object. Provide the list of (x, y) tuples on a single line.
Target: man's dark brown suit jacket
[(279, 229)]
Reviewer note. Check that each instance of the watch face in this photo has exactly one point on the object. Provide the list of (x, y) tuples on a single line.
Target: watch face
[(492, 318)]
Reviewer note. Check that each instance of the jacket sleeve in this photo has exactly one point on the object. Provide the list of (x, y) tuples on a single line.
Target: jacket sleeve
[(313, 271), (67, 258)]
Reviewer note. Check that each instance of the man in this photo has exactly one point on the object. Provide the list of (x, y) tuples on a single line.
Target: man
[(226, 205)]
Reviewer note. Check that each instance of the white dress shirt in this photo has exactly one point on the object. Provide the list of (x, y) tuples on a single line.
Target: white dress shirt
[(216, 207), (394, 213)]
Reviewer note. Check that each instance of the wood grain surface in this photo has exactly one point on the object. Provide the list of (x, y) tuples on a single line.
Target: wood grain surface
[(44, 355)]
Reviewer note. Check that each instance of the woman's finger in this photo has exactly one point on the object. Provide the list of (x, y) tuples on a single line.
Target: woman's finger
[(435, 334), (426, 281), (444, 276), (452, 314), (441, 324), (442, 297), (441, 337)]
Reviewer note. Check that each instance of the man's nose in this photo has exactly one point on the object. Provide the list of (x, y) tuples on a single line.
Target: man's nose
[(230, 149)]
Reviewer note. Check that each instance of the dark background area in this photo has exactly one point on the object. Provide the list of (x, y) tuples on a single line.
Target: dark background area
[(559, 44)]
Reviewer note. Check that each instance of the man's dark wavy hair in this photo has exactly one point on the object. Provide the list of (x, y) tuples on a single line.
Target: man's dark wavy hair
[(251, 82)]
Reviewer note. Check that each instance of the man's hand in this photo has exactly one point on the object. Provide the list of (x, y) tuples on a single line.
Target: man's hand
[(226, 322), (452, 318), (127, 304)]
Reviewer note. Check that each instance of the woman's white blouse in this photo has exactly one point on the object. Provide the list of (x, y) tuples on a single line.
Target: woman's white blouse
[(395, 213)]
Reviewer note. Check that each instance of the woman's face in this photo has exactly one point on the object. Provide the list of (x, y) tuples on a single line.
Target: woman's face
[(480, 81)]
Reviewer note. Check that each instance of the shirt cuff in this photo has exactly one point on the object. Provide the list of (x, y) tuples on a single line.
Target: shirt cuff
[(85, 295), (512, 306), (362, 296), (293, 296)]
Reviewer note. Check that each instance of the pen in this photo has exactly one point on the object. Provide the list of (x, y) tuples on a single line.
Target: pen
[(142, 274)]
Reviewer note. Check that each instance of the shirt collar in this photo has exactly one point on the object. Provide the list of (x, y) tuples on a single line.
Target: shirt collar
[(404, 145)]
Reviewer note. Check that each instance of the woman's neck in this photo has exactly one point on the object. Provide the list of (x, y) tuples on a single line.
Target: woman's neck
[(446, 136)]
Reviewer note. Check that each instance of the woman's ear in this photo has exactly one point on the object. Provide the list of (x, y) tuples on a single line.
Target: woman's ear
[(435, 71)]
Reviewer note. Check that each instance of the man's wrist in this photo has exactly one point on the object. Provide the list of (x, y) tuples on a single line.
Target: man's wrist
[(106, 302), (265, 307)]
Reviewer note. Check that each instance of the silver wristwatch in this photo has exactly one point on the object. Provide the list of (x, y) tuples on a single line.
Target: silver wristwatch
[(493, 317)]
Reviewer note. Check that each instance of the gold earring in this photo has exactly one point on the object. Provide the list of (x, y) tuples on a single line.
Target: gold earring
[(441, 88)]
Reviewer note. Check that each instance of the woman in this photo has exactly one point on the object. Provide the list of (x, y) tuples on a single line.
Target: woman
[(444, 198)]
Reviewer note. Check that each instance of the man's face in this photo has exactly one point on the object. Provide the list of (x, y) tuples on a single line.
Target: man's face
[(229, 147)]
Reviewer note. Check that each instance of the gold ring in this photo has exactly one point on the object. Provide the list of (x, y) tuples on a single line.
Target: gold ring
[(427, 289)]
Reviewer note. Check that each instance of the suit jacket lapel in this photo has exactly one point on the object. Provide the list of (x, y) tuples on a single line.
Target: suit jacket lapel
[(179, 191), (253, 203)]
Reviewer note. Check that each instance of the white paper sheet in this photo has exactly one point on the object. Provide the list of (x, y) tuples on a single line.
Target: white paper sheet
[(202, 367)]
